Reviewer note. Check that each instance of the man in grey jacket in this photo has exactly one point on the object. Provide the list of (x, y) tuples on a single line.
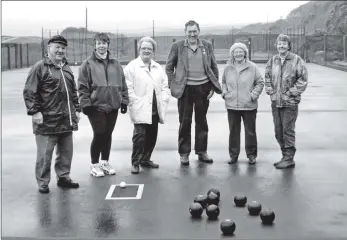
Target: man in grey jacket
[(193, 78)]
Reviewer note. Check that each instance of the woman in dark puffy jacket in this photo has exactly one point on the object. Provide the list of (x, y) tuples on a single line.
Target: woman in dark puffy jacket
[(102, 90)]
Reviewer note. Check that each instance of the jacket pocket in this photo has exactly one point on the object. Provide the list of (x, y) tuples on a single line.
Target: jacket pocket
[(136, 109), (273, 97)]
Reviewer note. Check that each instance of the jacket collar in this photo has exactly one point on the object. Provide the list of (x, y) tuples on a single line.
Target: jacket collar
[(96, 57), (246, 65), (48, 61), (141, 63), (186, 44), (289, 56)]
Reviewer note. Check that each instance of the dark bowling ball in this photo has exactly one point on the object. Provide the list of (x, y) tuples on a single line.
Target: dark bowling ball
[(254, 208), (214, 190), (202, 199), (240, 201), (228, 227), (195, 210), (212, 211), (212, 198), (267, 216)]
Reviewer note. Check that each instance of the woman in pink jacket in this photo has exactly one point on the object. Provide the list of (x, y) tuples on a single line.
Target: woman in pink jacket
[(242, 84)]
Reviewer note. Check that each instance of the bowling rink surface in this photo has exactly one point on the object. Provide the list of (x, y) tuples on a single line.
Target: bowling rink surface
[(310, 201)]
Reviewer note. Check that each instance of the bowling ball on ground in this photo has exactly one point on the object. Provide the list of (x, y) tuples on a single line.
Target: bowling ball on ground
[(227, 227), (202, 199), (212, 211), (267, 216), (195, 210), (214, 190), (254, 208), (240, 200), (212, 198)]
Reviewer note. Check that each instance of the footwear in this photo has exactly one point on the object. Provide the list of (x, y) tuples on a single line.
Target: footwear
[(233, 160), (252, 160), (285, 165), (135, 169), (67, 183), (96, 171), (203, 157), (149, 164), (106, 168), (44, 189), (278, 162), (184, 159)]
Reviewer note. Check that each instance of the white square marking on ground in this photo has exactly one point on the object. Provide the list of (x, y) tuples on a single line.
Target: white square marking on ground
[(113, 187)]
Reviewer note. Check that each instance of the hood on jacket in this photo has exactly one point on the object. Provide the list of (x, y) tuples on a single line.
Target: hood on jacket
[(233, 47)]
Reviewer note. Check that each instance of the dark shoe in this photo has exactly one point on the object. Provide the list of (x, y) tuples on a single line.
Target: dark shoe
[(44, 189), (184, 159), (285, 165), (203, 157), (233, 161), (67, 183), (135, 169), (252, 160), (149, 164)]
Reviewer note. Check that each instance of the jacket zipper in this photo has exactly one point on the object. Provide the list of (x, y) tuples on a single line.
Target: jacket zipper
[(68, 97)]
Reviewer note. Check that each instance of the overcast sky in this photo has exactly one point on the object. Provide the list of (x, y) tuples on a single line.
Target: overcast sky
[(26, 18)]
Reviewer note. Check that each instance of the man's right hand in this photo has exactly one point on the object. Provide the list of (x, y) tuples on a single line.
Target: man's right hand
[(38, 118)]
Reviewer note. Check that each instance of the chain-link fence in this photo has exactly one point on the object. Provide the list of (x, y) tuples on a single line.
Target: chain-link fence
[(313, 48)]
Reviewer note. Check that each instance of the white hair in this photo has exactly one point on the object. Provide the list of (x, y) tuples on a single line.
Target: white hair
[(149, 40)]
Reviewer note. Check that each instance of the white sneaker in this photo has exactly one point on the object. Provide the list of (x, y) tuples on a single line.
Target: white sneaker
[(106, 167), (96, 171)]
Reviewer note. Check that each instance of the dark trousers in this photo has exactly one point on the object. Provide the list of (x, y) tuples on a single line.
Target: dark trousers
[(103, 125), (194, 97), (284, 121), (64, 151), (249, 122), (144, 140)]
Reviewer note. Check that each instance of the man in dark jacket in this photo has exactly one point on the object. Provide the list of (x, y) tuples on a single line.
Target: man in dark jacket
[(193, 78), (50, 96)]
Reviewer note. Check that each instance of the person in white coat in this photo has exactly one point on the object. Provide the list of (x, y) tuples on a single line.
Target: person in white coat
[(149, 96)]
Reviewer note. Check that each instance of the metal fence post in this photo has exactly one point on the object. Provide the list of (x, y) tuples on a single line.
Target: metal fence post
[(27, 45), (325, 47), (20, 55), (135, 46), (9, 56), (344, 47), (16, 54), (250, 48)]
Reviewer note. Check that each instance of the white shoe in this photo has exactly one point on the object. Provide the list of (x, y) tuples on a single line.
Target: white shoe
[(96, 171), (106, 167)]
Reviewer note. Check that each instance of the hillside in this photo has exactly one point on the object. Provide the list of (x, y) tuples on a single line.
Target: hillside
[(321, 16)]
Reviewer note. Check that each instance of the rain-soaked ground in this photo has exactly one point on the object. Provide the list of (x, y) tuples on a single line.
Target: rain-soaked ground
[(309, 201)]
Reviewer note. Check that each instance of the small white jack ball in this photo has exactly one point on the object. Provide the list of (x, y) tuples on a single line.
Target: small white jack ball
[(75, 63), (122, 184)]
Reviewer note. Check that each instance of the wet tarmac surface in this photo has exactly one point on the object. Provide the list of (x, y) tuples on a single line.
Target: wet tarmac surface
[(309, 201)]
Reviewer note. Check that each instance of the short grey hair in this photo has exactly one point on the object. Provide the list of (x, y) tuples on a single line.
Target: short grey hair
[(149, 40)]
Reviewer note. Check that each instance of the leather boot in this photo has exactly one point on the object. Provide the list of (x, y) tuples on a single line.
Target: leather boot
[(203, 157)]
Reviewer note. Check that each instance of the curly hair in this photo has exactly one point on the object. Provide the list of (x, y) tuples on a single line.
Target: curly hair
[(284, 38)]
